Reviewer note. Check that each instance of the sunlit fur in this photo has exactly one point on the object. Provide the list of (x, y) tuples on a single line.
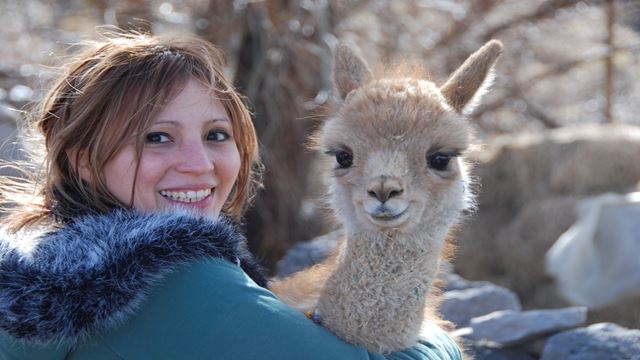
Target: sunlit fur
[(377, 286)]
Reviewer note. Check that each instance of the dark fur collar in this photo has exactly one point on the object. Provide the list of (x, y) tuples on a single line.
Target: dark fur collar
[(91, 274)]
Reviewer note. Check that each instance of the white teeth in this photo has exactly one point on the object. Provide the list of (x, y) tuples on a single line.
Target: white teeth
[(186, 196)]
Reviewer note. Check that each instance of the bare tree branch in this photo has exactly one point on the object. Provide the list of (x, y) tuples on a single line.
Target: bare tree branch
[(608, 63), (545, 10), (476, 10), (548, 73)]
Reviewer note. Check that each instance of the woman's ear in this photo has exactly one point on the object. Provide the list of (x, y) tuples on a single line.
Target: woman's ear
[(79, 161)]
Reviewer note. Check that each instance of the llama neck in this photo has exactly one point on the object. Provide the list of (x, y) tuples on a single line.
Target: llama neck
[(390, 259), (376, 295)]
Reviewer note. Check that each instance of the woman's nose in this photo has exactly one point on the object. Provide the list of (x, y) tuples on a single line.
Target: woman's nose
[(194, 158)]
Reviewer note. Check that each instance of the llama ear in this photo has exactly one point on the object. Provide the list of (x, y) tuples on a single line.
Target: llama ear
[(350, 70), (466, 86)]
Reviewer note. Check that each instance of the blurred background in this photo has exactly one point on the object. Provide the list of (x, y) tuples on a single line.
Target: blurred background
[(559, 125)]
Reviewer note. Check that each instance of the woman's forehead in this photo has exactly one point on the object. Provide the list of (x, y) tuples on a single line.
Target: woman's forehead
[(194, 101)]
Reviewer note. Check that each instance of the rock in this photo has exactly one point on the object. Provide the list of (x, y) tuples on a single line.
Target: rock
[(595, 263), (508, 327), (603, 341), (479, 352), (456, 282), (460, 306), (309, 253)]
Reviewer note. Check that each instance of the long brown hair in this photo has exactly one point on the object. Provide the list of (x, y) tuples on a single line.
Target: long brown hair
[(108, 96)]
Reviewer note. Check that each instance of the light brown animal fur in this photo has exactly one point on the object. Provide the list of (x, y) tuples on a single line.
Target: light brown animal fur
[(396, 204)]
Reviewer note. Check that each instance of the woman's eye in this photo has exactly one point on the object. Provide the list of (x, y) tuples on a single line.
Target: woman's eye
[(344, 159), (217, 135), (157, 138), (438, 161)]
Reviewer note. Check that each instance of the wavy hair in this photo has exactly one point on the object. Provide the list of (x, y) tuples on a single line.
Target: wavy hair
[(107, 97)]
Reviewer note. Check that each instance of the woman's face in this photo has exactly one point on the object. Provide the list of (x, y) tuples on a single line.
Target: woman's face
[(189, 157)]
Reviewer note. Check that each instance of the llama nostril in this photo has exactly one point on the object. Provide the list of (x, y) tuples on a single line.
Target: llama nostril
[(384, 194), (395, 193), (385, 188)]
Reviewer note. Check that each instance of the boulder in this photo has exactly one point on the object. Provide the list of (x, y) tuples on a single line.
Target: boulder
[(510, 328), (595, 262), (460, 306), (602, 341)]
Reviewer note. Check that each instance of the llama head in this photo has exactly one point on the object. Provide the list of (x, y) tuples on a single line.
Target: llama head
[(394, 147)]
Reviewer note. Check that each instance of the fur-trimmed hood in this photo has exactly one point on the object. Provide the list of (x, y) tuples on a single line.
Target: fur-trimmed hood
[(89, 275)]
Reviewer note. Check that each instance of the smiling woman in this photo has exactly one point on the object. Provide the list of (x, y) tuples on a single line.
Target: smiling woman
[(189, 157), (104, 120), (99, 258)]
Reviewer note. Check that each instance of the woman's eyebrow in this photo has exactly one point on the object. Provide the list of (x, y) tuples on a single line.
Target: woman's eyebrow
[(179, 124)]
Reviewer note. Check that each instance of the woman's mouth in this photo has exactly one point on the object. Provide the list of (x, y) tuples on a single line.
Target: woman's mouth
[(187, 196)]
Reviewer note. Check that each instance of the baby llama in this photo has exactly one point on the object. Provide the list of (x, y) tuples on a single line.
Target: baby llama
[(398, 183)]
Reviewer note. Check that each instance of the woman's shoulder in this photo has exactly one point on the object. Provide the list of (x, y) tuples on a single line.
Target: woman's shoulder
[(190, 314), (66, 283), (212, 309)]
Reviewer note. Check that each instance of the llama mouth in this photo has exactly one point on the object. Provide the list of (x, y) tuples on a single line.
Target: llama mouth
[(387, 217)]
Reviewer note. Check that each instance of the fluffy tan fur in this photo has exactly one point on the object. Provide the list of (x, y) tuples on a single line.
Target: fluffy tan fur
[(396, 204)]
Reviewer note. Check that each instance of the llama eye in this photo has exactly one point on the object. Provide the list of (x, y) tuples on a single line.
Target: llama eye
[(344, 159), (438, 161)]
